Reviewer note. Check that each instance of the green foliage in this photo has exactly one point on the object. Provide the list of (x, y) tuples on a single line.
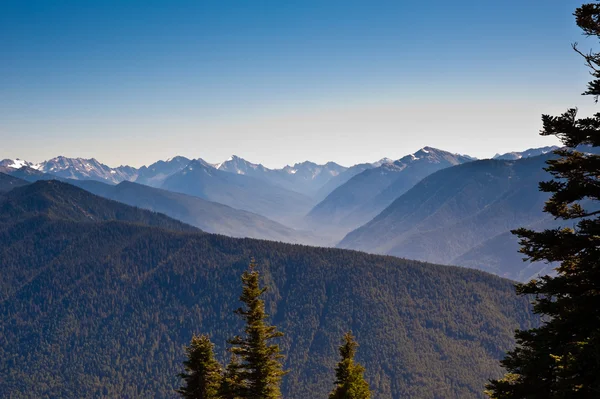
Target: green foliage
[(261, 369), (561, 358), (202, 374), (349, 380), (232, 383), (101, 309)]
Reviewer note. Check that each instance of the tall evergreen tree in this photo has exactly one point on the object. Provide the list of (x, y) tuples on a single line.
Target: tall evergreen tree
[(231, 384), (561, 358), (349, 380), (260, 369), (202, 374)]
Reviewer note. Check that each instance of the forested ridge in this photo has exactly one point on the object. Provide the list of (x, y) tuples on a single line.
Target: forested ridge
[(61, 201), (104, 308)]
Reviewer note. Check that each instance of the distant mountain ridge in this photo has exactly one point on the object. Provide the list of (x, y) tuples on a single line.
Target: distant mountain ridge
[(369, 192), (347, 208), (155, 174), (307, 177), (238, 191), (462, 215), (532, 152), (86, 169)]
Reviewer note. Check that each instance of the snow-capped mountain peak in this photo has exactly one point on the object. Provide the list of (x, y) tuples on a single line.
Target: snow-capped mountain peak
[(86, 169), (16, 163), (240, 166)]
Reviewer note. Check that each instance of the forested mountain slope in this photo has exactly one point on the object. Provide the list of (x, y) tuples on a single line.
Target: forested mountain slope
[(457, 210), (61, 201), (8, 182), (103, 308)]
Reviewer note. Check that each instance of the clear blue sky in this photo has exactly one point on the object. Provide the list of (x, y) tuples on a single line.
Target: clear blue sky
[(130, 82)]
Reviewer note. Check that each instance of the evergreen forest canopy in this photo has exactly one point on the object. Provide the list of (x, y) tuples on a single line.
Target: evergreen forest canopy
[(103, 306)]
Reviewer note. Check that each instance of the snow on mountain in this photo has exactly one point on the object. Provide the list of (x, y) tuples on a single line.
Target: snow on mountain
[(16, 164), (240, 166), (308, 178), (434, 156), (305, 177), (87, 169), (310, 171), (532, 152)]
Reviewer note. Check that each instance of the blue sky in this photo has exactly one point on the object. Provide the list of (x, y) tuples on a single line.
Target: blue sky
[(130, 82)]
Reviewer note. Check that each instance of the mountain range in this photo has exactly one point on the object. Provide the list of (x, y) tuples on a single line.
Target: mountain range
[(532, 152), (99, 298), (238, 191), (366, 194), (306, 178), (456, 216), (468, 226)]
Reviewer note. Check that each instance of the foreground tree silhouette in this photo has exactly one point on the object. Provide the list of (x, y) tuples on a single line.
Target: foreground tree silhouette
[(202, 374), (349, 380), (561, 359), (260, 370), (231, 383)]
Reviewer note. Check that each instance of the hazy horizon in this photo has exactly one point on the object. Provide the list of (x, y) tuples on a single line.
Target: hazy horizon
[(217, 162), (277, 84)]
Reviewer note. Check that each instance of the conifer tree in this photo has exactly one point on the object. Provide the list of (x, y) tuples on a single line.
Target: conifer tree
[(231, 384), (260, 369), (349, 380), (202, 374), (561, 358)]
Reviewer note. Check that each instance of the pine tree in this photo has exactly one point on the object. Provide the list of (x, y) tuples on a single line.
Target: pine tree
[(561, 358), (349, 380), (260, 370), (202, 374), (231, 384)]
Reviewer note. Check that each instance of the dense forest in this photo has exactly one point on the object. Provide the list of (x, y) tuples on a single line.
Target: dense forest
[(103, 306)]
